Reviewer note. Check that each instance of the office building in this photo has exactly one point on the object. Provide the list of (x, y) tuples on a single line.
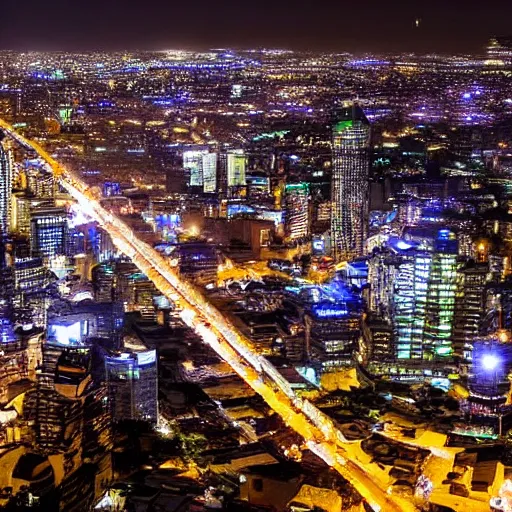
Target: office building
[(132, 383), (193, 164), (440, 298), (48, 232), (469, 307), (20, 219), (424, 298), (31, 287), (40, 183), (103, 281), (378, 339), (297, 222), (209, 168), (489, 386), (331, 315), (349, 190), (6, 173), (236, 169), (413, 286)]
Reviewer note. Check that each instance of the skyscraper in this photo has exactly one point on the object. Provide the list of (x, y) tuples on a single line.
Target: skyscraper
[(48, 231), (297, 210), (413, 287), (209, 164), (350, 163), (193, 163), (469, 307), (236, 163), (132, 384), (5, 189)]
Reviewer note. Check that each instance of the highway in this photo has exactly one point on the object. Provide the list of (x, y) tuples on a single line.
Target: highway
[(318, 431)]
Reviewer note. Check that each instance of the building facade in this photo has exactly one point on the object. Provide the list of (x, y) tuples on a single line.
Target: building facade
[(132, 383), (297, 211), (6, 172), (350, 189)]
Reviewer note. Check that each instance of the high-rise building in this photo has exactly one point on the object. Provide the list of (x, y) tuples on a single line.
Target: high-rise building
[(349, 190), (209, 165), (469, 307), (489, 386), (236, 164), (6, 171), (222, 174), (103, 281), (48, 232), (20, 218), (41, 183), (132, 383), (413, 286), (440, 298), (408, 301), (332, 322), (193, 163), (297, 211), (499, 50)]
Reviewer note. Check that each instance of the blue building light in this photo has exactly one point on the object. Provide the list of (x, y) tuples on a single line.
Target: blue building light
[(330, 310), (444, 234), (403, 246), (237, 208)]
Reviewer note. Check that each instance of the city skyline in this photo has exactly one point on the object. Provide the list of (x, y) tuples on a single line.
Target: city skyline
[(255, 280)]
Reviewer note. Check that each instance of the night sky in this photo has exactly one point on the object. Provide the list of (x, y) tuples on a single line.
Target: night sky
[(357, 26)]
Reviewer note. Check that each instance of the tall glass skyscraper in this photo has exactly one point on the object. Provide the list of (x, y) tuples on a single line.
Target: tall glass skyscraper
[(193, 162), (424, 298), (5, 189), (350, 162), (209, 164), (440, 298), (297, 210)]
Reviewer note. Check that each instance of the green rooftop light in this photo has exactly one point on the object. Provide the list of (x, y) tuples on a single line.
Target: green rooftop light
[(343, 125)]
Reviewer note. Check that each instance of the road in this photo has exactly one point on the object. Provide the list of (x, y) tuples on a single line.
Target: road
[(320, 434)]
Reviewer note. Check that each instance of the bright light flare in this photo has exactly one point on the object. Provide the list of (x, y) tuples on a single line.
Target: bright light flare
[(490, 362)]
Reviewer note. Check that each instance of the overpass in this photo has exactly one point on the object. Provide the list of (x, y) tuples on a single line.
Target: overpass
[(318, 431)]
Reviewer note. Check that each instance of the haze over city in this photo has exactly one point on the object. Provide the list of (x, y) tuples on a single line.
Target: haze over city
[(447, 27)]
